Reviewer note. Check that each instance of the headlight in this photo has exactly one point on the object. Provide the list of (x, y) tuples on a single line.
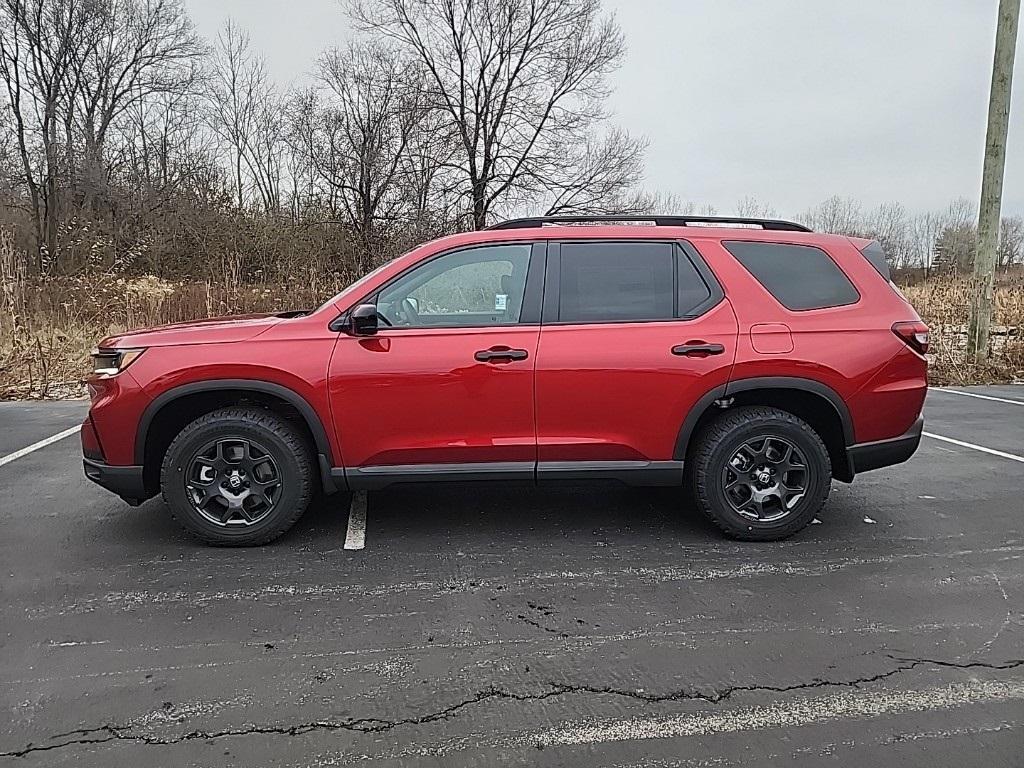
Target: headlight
[(110, 362)]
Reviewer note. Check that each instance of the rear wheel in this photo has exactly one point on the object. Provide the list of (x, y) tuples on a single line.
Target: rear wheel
[(760, 474), (237, 477)]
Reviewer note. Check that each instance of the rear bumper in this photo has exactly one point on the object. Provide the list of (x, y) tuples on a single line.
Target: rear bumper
[(126, 482), (884, 453)]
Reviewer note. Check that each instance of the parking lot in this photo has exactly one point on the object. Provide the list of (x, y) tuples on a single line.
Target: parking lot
[(510, 625)]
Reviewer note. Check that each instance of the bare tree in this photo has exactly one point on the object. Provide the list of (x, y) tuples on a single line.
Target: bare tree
[(925, 229), (521, 83), (837, 214), (239, 90), (39, 43), (600, 179), (888, 224), (134, 50), (372, 109), (754, 208), (956, 247), (1011, 241)]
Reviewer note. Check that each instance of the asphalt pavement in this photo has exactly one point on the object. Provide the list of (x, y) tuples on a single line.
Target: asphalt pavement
[(510, 625)]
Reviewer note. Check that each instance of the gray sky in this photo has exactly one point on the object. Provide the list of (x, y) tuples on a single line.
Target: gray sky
[(788, 101)]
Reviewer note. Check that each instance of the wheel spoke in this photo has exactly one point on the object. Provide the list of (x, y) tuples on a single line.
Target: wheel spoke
[(765, 478), (756, 505), (206, 492), (233, 481)]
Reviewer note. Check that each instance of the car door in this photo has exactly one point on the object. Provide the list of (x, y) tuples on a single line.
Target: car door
[(445, 387), (633, 334)]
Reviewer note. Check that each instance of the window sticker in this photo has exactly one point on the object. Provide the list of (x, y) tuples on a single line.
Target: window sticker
[(500, 302)]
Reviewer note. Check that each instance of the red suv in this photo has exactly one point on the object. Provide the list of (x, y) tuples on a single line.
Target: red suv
[(751, 361)]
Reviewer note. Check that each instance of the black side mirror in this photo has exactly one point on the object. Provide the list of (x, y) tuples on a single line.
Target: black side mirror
[(362, 321)]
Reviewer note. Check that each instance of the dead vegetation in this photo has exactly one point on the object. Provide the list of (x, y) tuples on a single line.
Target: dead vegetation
[(48, 325), (943, 302)]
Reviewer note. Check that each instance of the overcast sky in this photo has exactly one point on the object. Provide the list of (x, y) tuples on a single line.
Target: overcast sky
[(788, 101)]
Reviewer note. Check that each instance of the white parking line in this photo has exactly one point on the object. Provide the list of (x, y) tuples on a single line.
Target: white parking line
[(837, 707), (975, 394), (983, 449), (355, 537), (36, 446)]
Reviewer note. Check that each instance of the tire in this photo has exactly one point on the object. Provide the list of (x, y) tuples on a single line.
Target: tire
[(732, 468), (238, 477)]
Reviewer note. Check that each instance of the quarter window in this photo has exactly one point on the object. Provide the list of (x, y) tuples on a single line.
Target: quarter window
[(474, 287), (691, 289), (798, 276)]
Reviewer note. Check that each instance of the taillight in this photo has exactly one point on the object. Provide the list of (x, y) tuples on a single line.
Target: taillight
[(914, 334)]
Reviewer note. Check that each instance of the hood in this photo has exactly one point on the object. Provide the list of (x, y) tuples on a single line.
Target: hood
[(214, 330)]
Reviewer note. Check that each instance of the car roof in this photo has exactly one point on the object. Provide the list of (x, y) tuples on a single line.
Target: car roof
[(631, 232)]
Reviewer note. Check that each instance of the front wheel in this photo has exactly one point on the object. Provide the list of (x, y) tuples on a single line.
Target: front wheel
[(760, 474), (237, 477)]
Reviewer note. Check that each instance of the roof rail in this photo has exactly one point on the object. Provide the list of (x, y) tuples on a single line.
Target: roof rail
[(660, 221)]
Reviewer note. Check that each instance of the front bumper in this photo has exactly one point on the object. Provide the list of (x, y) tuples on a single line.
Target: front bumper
[(126, 482), (884, 453)]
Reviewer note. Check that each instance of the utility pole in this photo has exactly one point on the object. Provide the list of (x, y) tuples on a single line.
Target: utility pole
[(992, 178)]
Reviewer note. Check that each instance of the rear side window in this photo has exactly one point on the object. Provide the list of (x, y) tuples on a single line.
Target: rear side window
[(798, 276), (612, 282)]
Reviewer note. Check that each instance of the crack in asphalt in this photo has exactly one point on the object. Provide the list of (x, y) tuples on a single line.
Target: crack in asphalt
[(111, 732), (538, 625)]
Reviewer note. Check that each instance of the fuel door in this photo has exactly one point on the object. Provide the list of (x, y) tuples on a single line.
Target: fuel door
[(771, 338)]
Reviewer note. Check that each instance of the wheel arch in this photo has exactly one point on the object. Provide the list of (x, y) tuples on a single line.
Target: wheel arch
[(161, 417), (814, 402)]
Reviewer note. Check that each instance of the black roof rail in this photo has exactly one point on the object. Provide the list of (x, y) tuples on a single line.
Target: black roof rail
[(659, 221)]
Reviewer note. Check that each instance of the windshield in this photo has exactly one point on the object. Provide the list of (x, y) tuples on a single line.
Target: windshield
[(361, 281)]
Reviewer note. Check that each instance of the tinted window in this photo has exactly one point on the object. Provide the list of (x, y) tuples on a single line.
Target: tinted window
[(799, 276), (615, 281), (475, 287), (692, 289), (874, 253)]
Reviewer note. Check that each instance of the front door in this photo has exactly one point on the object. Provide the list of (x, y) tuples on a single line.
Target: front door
[(634, 334), (445, 387)]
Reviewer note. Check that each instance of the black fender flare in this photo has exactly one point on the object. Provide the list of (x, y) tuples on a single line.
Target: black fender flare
[(707, 400), (293, 398)]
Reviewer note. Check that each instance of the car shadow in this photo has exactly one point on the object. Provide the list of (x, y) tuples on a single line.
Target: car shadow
[(507, 511), (484, 514)]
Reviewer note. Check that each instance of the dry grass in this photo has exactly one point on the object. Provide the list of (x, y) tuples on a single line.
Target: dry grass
[(944, 303), (47, 327)]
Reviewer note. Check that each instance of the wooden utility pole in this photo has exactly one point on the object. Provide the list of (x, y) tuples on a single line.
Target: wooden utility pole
[(992, 178)]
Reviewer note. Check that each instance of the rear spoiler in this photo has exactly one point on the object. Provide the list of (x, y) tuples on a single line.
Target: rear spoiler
[(874, 253)]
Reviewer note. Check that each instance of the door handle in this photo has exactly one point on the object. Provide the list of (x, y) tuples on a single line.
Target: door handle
[(495, 354), (697, 349)]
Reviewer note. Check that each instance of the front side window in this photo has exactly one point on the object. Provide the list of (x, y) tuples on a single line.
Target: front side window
[(474, 287)]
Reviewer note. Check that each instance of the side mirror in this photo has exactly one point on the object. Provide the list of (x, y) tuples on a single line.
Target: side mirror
[(362, 321)]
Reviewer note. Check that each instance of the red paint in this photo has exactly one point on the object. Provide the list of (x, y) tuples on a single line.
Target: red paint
[(616, 392), (586, 392), (425, 400)]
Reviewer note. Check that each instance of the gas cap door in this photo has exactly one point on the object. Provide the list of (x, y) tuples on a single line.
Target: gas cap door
[(771, 338)]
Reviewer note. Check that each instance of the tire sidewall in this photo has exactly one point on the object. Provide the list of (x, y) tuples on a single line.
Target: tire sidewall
[(818, 477), (194, 437)]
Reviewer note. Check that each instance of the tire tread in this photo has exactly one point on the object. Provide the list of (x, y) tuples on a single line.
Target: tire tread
[(722, 429), (251, 416)]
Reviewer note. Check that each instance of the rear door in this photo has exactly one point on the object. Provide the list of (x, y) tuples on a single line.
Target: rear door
[(633, 334)]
